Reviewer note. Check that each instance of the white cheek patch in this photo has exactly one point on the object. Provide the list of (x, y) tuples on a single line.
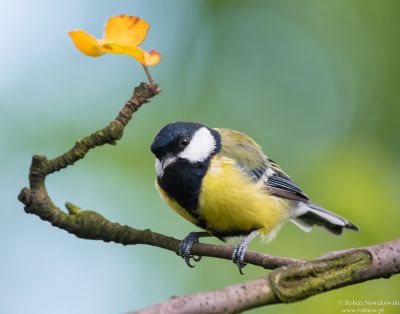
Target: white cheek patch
[(200, 147)]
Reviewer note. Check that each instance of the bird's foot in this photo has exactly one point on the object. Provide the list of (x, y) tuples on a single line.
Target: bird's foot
[(238, 254), (186, 245), (240, 250)]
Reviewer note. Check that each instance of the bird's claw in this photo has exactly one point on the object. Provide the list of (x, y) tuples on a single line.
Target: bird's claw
[(185, 247), (238, 255)]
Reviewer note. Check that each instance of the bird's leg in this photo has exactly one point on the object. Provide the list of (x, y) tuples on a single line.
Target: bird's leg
[(186, 245), (240, 250)]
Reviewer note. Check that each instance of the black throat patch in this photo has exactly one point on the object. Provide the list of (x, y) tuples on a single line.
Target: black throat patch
[(182, 180)]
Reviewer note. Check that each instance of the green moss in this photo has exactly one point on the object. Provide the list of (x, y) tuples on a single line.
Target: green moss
[(72, 209), (297, 282)]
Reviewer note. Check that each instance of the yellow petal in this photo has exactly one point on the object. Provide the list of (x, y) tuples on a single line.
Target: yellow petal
[(86, 43), (125, 30), (145, 58)]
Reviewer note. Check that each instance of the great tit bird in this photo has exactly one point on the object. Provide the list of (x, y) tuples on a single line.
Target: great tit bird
[(221, 181)]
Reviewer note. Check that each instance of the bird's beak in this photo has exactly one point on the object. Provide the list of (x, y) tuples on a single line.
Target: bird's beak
[(164, 163), (167, 160)]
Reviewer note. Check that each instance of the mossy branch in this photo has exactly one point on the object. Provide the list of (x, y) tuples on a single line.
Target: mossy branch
[(292, 279), (91, 225), (291, 283)]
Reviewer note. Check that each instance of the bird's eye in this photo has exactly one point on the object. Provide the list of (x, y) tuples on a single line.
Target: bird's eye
[(184, 142)]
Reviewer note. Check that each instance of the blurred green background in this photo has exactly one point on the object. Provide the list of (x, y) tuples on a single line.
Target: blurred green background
[(316, 83)]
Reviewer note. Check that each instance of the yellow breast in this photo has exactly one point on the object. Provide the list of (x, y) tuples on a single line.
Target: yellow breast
[(231, 201)]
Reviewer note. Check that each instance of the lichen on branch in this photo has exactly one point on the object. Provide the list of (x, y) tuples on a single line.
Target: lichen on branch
[(90, 224), (292, 280), (85, 224), (290, 283)]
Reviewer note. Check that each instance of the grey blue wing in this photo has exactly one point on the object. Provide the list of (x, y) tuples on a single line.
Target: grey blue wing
[(250, 158), (305, 214), (284, 187)]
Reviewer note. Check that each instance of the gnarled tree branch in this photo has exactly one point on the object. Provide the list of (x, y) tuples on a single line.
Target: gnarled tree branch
[(292, 279), (291, 283), (91, 225)]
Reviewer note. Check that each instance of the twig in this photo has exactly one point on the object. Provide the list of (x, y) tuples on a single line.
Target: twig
[(148, 74), (91, 225), (297, 280)]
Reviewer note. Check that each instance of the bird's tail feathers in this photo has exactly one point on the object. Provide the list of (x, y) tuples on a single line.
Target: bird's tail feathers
[(306, 215)]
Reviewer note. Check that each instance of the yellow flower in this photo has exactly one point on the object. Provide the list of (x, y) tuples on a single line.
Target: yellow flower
[(122, 34)]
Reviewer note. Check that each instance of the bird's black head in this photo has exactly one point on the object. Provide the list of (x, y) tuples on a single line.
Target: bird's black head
[(193, 142), (174, 138)]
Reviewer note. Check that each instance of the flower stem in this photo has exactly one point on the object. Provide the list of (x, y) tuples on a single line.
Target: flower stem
[(146, 70)]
